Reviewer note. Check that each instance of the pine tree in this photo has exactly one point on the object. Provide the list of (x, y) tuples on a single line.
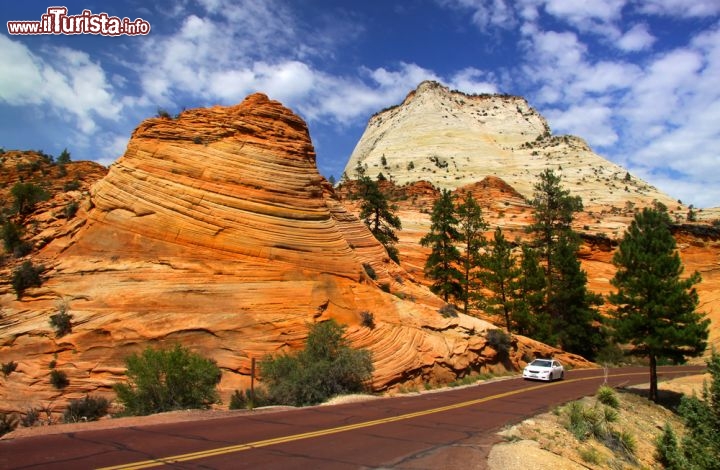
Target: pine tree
[(471, 228), (379, 215), (568, 304), (63, 158), (441, 265), (501, 275), (530, 317), (553, 211), (577, 325), (656, 310)]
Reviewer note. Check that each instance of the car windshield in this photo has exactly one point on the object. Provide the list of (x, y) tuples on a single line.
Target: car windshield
[(540, 363)]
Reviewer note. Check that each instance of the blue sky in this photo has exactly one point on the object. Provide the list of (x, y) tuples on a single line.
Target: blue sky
[(637, 79)]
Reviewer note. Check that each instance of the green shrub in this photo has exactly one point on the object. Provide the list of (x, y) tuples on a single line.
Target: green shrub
[(367, 319), (61, 321), (12, 240), (701, 445), (27, 275), (370, 271), (171, 379), (607, 396), (668, 451), (8, 368), (64, 157), (326, 367), (59, 379), (86, 409), (591, 455), (26, 196), (8, 423)]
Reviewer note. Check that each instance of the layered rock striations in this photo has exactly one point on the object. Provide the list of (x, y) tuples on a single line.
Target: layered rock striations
[(215, 230)]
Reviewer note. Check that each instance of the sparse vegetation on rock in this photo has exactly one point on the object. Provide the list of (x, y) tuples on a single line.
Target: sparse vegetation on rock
[(9, 367), (62, 320), (59, 379), (26, 196), (26, 276), (8, 423), (89, 408)]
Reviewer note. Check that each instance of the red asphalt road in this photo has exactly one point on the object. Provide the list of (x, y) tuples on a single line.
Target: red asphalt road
[(409, 432)]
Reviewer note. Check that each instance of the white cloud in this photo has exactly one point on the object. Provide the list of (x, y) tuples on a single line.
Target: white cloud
[(65, 80), (682, 8), (486, 13), (591, 121), (656, 97), (637, 38), (472, 80), (587, 15)]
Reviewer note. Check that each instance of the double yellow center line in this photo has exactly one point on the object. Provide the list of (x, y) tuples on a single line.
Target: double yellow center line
[(324, 432)]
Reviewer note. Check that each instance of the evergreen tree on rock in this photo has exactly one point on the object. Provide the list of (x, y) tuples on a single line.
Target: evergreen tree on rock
[(471, 229), (442, 264)]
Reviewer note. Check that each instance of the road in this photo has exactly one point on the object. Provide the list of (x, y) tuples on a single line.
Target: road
[(450, 429)]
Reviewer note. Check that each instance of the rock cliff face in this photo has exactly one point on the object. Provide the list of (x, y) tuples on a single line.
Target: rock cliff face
[(216, 231), (451, 139)]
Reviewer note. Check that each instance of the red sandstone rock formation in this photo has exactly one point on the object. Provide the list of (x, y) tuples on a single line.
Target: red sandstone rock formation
[(216, 231)]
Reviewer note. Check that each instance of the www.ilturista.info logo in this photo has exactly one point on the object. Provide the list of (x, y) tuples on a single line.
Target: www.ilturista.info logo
[(57, 21)]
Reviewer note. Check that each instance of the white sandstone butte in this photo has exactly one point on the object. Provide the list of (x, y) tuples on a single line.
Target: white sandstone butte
[(452, 139)]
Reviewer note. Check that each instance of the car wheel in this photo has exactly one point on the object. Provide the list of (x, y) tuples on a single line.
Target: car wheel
[(562, 375)]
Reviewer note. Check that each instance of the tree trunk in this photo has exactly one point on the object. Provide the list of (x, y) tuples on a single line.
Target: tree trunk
[(653, 378)]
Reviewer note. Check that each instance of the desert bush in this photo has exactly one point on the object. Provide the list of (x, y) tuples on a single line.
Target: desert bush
[(61, 321), (585, 422), (607, 396), (367, 319), (8, 423), (326, 367), (500, 341), (86, 409), (9, 367), (30, 418), (26, 196), (12, 240), (71, 209), (171, 379), (250, 399), (370, 271), (27, 275), (448, 311), (59, 379)]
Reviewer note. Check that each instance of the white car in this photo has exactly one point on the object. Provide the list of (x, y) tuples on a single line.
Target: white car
[(544, 369)]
